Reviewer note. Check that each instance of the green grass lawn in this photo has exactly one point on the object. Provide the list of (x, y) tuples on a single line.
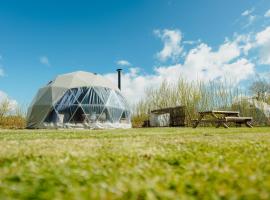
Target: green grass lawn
[(160, 163)]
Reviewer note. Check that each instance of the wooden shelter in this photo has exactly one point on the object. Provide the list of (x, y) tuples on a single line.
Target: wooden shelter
[(171, 116)]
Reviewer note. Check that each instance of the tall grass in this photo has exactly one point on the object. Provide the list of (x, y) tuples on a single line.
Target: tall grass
[(11, 118), (198, 96)]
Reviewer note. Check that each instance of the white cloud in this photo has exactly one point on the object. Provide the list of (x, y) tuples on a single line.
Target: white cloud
[(250, 17), (44, 60), (262, 42), (263, 37), (234, 60), (244, 42), (190, 42), (247, 12), (267, 14), (134, 71), (250, 20), (200, 63), (3, 96), (259, 43), (172, 44), (123, 63), (13, 104)]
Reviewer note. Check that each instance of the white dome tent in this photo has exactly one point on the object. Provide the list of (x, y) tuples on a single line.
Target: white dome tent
[(79, 100)]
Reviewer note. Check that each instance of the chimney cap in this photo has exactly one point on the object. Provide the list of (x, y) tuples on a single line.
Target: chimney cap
[(119, 69)]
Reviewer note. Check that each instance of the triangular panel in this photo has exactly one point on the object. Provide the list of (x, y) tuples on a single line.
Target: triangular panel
[(115, 114), (92, 112), (122, 99), (45, 98), (113, 101), (66, 101), (76, 114), (103, 93), (92, 98), (79, 94)]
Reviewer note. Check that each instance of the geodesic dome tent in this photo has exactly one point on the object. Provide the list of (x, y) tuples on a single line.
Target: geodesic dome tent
[(79, 100)]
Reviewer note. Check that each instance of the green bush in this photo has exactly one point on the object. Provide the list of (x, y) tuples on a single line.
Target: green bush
[(139, 120)]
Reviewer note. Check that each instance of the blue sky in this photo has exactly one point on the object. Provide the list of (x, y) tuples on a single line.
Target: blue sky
[(155, 38)]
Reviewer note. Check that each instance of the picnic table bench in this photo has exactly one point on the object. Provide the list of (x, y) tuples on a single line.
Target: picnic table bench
[(220, 118)]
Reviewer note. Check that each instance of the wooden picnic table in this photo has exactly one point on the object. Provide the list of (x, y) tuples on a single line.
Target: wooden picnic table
[(220, 118)]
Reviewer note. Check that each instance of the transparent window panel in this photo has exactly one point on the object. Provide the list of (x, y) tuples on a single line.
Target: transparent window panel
[(105, 116), (76, 94), (66, 101), (122, 99), (113, 101), (65, 112), (77, 116), (115, 114), (88, 105), (92, 97), (127, 115), (103, 93), (93, 112), (80, 94)]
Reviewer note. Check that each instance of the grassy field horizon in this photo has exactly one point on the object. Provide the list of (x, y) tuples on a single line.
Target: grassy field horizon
[(153, 163)]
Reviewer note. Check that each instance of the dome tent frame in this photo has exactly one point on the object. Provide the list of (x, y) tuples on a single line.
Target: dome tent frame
[(90, 101)]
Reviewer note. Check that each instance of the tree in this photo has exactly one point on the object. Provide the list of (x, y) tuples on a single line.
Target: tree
[(4, 107), (260, 89)]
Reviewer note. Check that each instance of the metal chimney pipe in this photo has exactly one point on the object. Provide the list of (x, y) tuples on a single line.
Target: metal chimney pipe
[(119, 78)]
